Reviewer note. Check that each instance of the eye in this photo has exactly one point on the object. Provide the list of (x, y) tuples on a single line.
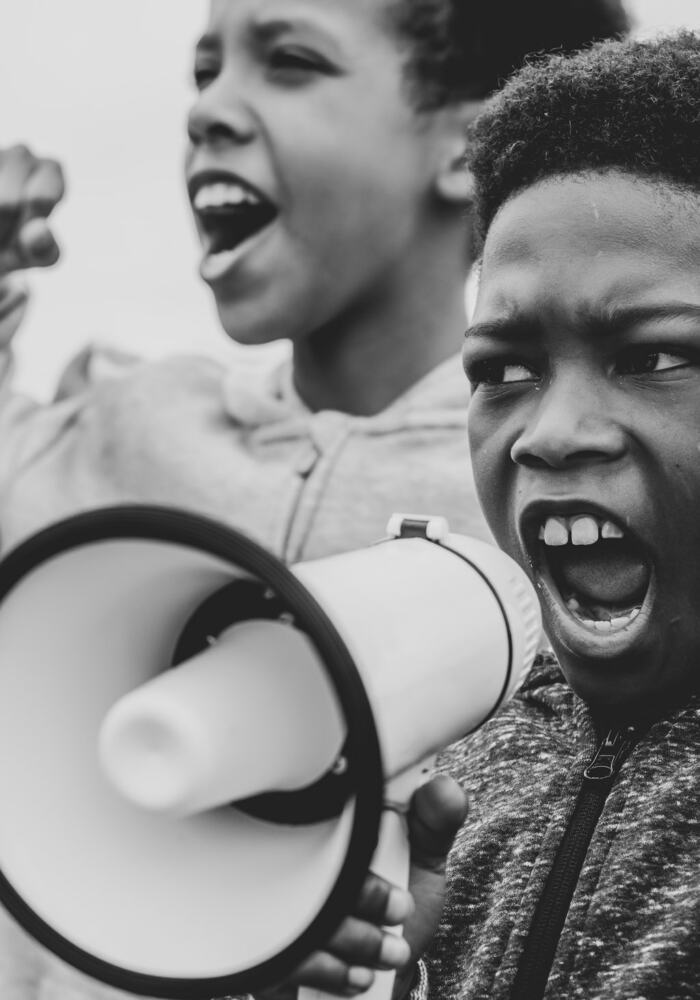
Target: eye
[(499, 371), (204, 73), (296, 62), (643, 360)]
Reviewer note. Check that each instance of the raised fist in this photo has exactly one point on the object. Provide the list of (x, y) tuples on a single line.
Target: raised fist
[(30, 188)]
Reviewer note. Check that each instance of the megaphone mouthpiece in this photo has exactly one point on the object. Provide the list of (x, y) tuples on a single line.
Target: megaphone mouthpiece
[(226, 725)]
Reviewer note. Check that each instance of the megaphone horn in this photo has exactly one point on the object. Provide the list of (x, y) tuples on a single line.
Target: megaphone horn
[(196, 740)]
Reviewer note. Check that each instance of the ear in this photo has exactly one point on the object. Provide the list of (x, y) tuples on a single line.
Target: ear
[(453, 181)]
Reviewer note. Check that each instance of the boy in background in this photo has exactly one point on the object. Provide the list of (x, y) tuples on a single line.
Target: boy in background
[(576, 874), (325, 170)]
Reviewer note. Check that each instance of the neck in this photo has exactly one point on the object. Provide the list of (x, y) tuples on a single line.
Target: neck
[(373, 353)]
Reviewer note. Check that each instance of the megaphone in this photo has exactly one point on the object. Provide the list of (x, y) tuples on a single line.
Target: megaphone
[(198, 742)]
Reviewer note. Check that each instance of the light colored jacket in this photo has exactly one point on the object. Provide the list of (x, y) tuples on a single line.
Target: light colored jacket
[(240, 446)]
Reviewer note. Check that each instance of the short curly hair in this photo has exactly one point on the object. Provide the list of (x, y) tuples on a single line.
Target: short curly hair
[(465, 49), (633, 106)]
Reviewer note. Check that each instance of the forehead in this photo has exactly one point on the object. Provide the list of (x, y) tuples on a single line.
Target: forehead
[(570, 243), (353, 16)]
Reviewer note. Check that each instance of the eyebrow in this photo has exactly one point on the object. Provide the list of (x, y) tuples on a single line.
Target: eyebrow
[(506, 328), (601, 320), (266, 30), (617, 319)]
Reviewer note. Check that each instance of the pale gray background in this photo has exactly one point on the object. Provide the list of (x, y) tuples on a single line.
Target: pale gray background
[(104, 87)]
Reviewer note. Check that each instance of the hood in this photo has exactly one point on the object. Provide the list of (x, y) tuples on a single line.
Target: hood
[(258, 393)]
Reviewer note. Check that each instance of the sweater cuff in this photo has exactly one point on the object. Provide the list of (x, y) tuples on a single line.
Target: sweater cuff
[(419, 988)]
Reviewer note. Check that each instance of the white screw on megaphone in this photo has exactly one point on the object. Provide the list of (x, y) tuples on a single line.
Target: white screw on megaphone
[(213, 842)]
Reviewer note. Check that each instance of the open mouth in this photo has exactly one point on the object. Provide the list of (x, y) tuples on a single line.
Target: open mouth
[(599, 571), (229, 214)]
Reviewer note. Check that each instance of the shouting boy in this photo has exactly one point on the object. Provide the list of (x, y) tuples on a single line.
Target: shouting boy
[(576, 875)]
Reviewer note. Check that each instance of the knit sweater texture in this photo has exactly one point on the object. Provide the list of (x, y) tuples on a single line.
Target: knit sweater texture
[(632, 931)]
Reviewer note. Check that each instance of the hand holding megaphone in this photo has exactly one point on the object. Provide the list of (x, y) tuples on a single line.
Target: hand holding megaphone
[(362, 945), (198, 744)]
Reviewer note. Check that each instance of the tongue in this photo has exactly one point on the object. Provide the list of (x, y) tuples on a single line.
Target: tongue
[(228, 227), (605, 573)]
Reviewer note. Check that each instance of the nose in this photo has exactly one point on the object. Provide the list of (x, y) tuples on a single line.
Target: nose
[(221, 115), (571, 424)]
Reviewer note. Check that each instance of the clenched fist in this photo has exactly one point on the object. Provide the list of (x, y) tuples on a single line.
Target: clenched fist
[(30, 188)]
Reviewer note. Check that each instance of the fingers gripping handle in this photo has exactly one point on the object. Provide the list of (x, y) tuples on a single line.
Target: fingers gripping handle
[(391, 861)]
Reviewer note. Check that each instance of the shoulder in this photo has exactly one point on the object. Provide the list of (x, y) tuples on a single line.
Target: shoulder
[(99, 365)]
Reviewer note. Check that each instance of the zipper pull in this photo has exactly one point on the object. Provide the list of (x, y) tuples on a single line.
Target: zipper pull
[(610, 755)]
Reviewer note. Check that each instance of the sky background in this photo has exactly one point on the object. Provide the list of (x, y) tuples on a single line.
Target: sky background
[(104, 87)]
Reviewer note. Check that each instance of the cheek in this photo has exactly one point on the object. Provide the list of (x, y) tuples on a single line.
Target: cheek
[(334, 165), (490, 456)]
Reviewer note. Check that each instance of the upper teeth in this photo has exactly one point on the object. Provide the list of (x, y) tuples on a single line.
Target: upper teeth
[(582, 529), (223, 193)]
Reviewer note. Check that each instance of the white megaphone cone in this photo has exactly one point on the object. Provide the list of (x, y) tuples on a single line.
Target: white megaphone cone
[(214, 735)]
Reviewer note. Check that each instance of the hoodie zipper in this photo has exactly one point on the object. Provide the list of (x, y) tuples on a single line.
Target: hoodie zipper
[(550, 913)]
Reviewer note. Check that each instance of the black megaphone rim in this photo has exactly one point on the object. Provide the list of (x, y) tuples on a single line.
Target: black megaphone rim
[(181, 527)]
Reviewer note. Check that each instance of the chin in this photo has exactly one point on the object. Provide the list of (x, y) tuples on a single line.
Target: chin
[(246, 331), (623, 690)]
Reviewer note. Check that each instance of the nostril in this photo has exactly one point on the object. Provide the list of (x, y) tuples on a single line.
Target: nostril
[(219, 132), (556, 459), (528, 460)]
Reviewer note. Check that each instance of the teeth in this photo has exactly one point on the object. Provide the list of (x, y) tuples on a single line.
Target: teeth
[(555, 531), (582, 529), (625, 619), (223, 194), (601, 625), (610, 530)]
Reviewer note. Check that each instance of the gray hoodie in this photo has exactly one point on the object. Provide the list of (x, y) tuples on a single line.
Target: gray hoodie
[(238, 445), (632, 920)]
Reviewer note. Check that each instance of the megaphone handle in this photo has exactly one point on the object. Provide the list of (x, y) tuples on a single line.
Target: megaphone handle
[(391, 861)]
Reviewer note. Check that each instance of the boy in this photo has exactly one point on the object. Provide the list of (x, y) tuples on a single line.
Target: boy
[(325, 217), (576, 875)]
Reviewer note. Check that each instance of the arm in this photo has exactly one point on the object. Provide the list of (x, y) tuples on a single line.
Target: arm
[(30, 188)]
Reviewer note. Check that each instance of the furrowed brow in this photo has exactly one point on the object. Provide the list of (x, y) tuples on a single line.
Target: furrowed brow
[(505, 330), (618, 319)]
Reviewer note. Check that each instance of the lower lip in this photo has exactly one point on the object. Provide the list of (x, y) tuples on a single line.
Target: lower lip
[(586, 640), (218, 266)]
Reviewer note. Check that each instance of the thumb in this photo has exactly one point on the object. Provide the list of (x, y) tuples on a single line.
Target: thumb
[(438, 809), (37, 243)]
